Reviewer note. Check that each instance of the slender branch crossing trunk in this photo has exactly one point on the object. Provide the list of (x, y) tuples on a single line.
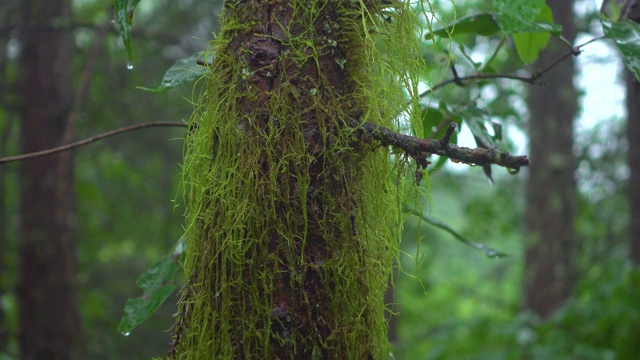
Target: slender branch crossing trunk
[(292, 220)]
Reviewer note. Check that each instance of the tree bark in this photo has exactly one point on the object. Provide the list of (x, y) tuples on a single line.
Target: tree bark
[(291, 209), (551, 189), (5, 132), (633, 138), (49, 321)]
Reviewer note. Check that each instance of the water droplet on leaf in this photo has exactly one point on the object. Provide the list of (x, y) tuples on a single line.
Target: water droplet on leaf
[(129, 65)]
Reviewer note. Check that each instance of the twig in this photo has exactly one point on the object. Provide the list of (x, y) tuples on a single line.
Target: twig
[(95, 138), (489, 252), (532, 79), (446, 138), (421, 148)]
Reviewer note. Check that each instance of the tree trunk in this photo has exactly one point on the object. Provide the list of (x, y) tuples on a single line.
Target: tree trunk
[(5, 133), (551, 189), (49, 323), (291, 216), (633, 136)]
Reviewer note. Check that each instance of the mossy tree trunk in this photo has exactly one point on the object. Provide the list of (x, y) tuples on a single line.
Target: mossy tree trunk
[(292, 220)]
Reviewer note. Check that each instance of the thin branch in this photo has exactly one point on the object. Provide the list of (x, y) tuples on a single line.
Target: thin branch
[(489, 252), (421, 148), (532, 79), (95, 138), (413, 146)]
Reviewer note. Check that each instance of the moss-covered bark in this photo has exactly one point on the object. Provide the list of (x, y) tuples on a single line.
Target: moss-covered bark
[(292, 219)]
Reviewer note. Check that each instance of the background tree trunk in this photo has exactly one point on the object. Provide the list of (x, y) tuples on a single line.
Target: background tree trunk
[(9, 10), (551, 189), (49, 322), (633, 138)]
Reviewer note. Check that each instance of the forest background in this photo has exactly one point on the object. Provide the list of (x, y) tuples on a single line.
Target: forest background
[(453, 301)]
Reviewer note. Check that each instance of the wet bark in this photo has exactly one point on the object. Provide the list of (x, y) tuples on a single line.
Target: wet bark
[(551, 189), (49, 322)]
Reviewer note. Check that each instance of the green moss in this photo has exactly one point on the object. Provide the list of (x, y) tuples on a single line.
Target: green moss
[(293, 220)]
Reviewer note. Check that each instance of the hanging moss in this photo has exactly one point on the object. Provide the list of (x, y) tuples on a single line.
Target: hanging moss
[(293, 220)]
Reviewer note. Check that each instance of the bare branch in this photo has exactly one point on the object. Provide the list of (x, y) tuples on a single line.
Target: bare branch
[(421, 148), (532, 79), (415, 147), (95, 138)]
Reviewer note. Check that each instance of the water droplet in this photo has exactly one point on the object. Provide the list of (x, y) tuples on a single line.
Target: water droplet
[(113, 20), (126, 333), (129, 65)]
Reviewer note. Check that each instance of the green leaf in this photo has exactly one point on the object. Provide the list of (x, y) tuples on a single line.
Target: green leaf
[(529, 44), (157, 285), (517, 15), (482, 24), (124, 18), (626, 35), (182, 72)]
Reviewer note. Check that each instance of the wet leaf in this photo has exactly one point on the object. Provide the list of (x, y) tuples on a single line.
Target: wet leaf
[(123, 10), (157, 283), (626, 35), (182, 72)]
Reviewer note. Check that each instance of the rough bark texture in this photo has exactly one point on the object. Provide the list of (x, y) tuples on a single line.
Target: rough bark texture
[(291, 212), (49, 323), (551, 190)]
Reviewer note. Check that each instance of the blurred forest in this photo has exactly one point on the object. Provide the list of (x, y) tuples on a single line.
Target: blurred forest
[(453, 301)]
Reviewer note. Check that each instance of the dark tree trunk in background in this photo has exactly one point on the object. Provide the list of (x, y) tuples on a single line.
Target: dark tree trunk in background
[(49, 322), (8, 10), (633, 137), (551, 189)]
